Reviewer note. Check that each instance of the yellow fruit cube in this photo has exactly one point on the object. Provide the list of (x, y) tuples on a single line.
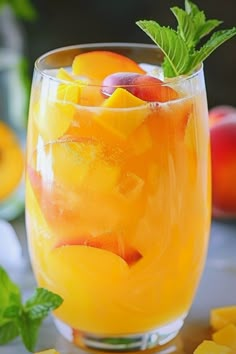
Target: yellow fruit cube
[(53, 119), (226, 336), (210, 347), (62, 74), (222, 316), (118, 115), (48, 351)]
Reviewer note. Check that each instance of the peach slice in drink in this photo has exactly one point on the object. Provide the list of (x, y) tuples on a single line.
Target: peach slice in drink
[(145, 87), (73, 199), (95, 268), (110, 241), (99, 64)]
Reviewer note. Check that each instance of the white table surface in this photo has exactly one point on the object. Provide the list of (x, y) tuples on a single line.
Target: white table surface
[(217, 288)]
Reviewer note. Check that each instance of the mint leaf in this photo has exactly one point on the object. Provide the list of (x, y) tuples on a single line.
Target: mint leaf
[(186, 26), (215, 41), (191, 8), (29, 330), (8, 332), (206, 28), (41, 303), (9, 294), (172, 45), (25, 320), (181, 57), (12, 312)]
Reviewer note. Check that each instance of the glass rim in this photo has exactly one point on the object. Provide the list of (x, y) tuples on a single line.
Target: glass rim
[(42, 71)]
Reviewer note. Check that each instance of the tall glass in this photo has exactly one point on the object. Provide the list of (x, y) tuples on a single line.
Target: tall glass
[(117, 199)]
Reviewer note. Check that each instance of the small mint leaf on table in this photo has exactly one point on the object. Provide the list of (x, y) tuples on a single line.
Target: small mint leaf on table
[(12, 312), (29, 330), (9, 294), (41, 303), (24, 320), (8, 332)]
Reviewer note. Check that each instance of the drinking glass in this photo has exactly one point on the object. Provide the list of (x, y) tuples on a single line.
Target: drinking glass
[(117, 197)]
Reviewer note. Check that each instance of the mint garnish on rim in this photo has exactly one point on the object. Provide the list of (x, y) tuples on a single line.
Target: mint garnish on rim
[(180, 46)]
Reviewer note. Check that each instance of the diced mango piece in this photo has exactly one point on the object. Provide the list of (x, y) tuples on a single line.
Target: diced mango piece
[(62, 74), (226, 336), (53, 119), (122, 98), (210, 347), (11, 161), (80, 92), (99, 64), (141, 140), (222, 316), (69, 93), (118, 115), (131, 185), (48, 351)]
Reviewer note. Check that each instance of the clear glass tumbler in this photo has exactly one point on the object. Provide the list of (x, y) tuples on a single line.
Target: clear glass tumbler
[(117, 193)]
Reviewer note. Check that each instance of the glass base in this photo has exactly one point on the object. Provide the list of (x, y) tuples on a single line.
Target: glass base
[(121, 343)]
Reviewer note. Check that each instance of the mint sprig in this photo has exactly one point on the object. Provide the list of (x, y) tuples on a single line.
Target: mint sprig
[(24, 320), (180, 46)]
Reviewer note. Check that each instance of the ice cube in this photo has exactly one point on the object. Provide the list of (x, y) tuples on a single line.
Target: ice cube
[(11, 257)]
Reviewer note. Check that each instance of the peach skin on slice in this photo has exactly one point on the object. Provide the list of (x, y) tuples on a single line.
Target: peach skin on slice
[(11, 161), (99, 64), (145, 87), (122, 120), (109, 241)]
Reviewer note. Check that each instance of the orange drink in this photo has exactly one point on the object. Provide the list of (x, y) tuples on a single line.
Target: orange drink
[(117, 193)]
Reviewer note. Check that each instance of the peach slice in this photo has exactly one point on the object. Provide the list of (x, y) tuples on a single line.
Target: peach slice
[(71, 179), (109, 241), (11, 161), (99, 64), (145, 87), (122, 120)]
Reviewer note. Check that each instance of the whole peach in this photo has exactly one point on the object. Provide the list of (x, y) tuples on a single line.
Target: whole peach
[(223, 157)]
